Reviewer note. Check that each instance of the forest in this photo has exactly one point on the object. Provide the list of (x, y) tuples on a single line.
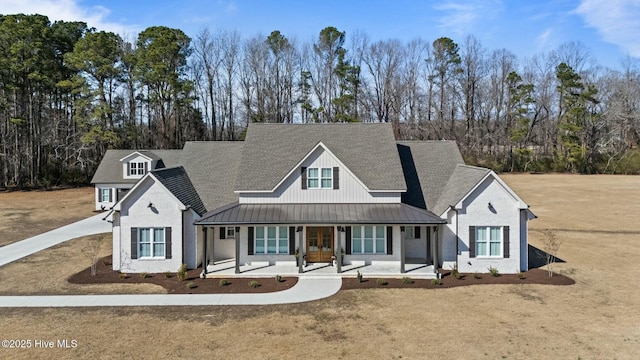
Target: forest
[(69, 92)]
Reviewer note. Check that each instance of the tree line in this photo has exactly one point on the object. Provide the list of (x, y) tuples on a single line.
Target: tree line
[(69, 92)]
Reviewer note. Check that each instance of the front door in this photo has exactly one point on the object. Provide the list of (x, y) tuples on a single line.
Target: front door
[(319, 244)]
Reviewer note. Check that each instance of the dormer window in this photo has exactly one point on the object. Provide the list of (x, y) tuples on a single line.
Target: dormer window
[(136, 168), (320, 178)]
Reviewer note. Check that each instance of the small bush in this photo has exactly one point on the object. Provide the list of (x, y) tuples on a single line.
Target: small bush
[(436, 282), (407, 280), (223, 282), (493, 271), (167, 274), (123, 275), (253, 284), (381, 282), (144, 275), (182, 272), (191, 285), (477, 275), (359, 276), (455, 273), (522, 275), (278, 278)]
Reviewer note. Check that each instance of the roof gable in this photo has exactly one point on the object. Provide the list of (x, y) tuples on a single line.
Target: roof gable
[(176, 181), (272, 151)]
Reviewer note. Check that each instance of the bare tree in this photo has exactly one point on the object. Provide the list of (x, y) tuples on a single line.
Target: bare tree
[(92, 249), (551, 245)]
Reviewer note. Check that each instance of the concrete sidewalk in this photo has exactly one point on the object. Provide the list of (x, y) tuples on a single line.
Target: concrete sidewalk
[(307, 289), (23, 248)]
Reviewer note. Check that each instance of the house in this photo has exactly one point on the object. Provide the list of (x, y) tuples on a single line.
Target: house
[(318, 192)]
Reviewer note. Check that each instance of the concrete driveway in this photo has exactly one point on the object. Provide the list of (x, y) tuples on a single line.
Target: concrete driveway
[(306, 289)]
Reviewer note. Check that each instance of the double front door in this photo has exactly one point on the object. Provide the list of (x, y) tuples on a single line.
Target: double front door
[(319, 244)]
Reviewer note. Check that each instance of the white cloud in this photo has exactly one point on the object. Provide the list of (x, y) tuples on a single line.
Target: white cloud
[(461, 16), (68, 10), (542, 40), (616, 21)]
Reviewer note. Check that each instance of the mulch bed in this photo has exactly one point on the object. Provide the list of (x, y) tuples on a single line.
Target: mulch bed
[(105, 275), (533, 276)]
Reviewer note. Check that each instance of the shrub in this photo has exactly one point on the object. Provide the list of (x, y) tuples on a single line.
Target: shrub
[(191, 285), (144, 275), (167, 274), (522, 275), (223, 282), (436, 282), (381, 282), (359, 276), (123, 275), (182, 272), (407, 280), (477, 275), (455, 273), (278, 278), (493, 271), (253, 284)]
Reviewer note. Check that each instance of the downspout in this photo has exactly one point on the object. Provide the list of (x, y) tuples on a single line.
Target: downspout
[(457, 237)]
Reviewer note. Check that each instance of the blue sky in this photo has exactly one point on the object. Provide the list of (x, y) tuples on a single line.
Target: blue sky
[(610, 29)]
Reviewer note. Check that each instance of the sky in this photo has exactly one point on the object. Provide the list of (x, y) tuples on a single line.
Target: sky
[(609, 29)]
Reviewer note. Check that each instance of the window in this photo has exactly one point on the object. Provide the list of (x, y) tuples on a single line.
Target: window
[(489, 241), (409, 232), (272, 240), (368, 240), (151, 243), (136, 168), (320, 178), (231, 232), (105, 195)]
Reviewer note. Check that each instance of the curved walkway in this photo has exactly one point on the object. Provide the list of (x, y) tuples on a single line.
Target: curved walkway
[(306, 289)]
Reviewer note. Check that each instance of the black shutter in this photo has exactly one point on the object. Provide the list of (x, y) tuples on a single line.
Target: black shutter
[(237, 232), (303, 172), (167, 243), (128, 169), (292, 240), (336, 178), (389, 240), (250, 241), (348, 240), (146, 166), (416, 232), (223, 232), (505, 242), (111, 195), (472, 241), (134, 243)]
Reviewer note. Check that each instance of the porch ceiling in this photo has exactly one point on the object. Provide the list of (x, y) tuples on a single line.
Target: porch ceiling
[(236, 214)]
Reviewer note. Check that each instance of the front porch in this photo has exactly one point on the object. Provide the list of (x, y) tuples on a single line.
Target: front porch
[(414, 268)]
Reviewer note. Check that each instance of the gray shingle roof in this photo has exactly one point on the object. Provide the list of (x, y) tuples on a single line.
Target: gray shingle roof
[(428, 166), (212, 167), (272, 150), (110, 168), (177, 181), (319, 214), (463, 179)]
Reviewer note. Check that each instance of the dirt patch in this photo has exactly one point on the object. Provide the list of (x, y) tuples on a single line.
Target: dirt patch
[(193, 284), (533, 276)]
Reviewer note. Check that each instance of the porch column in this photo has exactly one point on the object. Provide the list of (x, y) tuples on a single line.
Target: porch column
[(338, 249), (237, 238), (300, 255), (434, 248), (204, 252), (402, 250), (213, 244)]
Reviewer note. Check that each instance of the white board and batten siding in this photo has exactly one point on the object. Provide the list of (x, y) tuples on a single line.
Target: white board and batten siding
[(491, 205), (350, 189), (166, 211)]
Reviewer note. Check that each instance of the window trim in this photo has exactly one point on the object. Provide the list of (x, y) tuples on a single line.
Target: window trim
[(488, 241), (104, 199), (374, 239), (319, 178), (136, 168), (265, 238), (232, 234), (152, 242), (406, 232)]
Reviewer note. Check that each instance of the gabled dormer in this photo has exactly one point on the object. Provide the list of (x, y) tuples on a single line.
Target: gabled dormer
[(137, 164)]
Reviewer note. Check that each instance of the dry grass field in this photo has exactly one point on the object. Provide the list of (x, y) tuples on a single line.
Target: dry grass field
[(597, 318)]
